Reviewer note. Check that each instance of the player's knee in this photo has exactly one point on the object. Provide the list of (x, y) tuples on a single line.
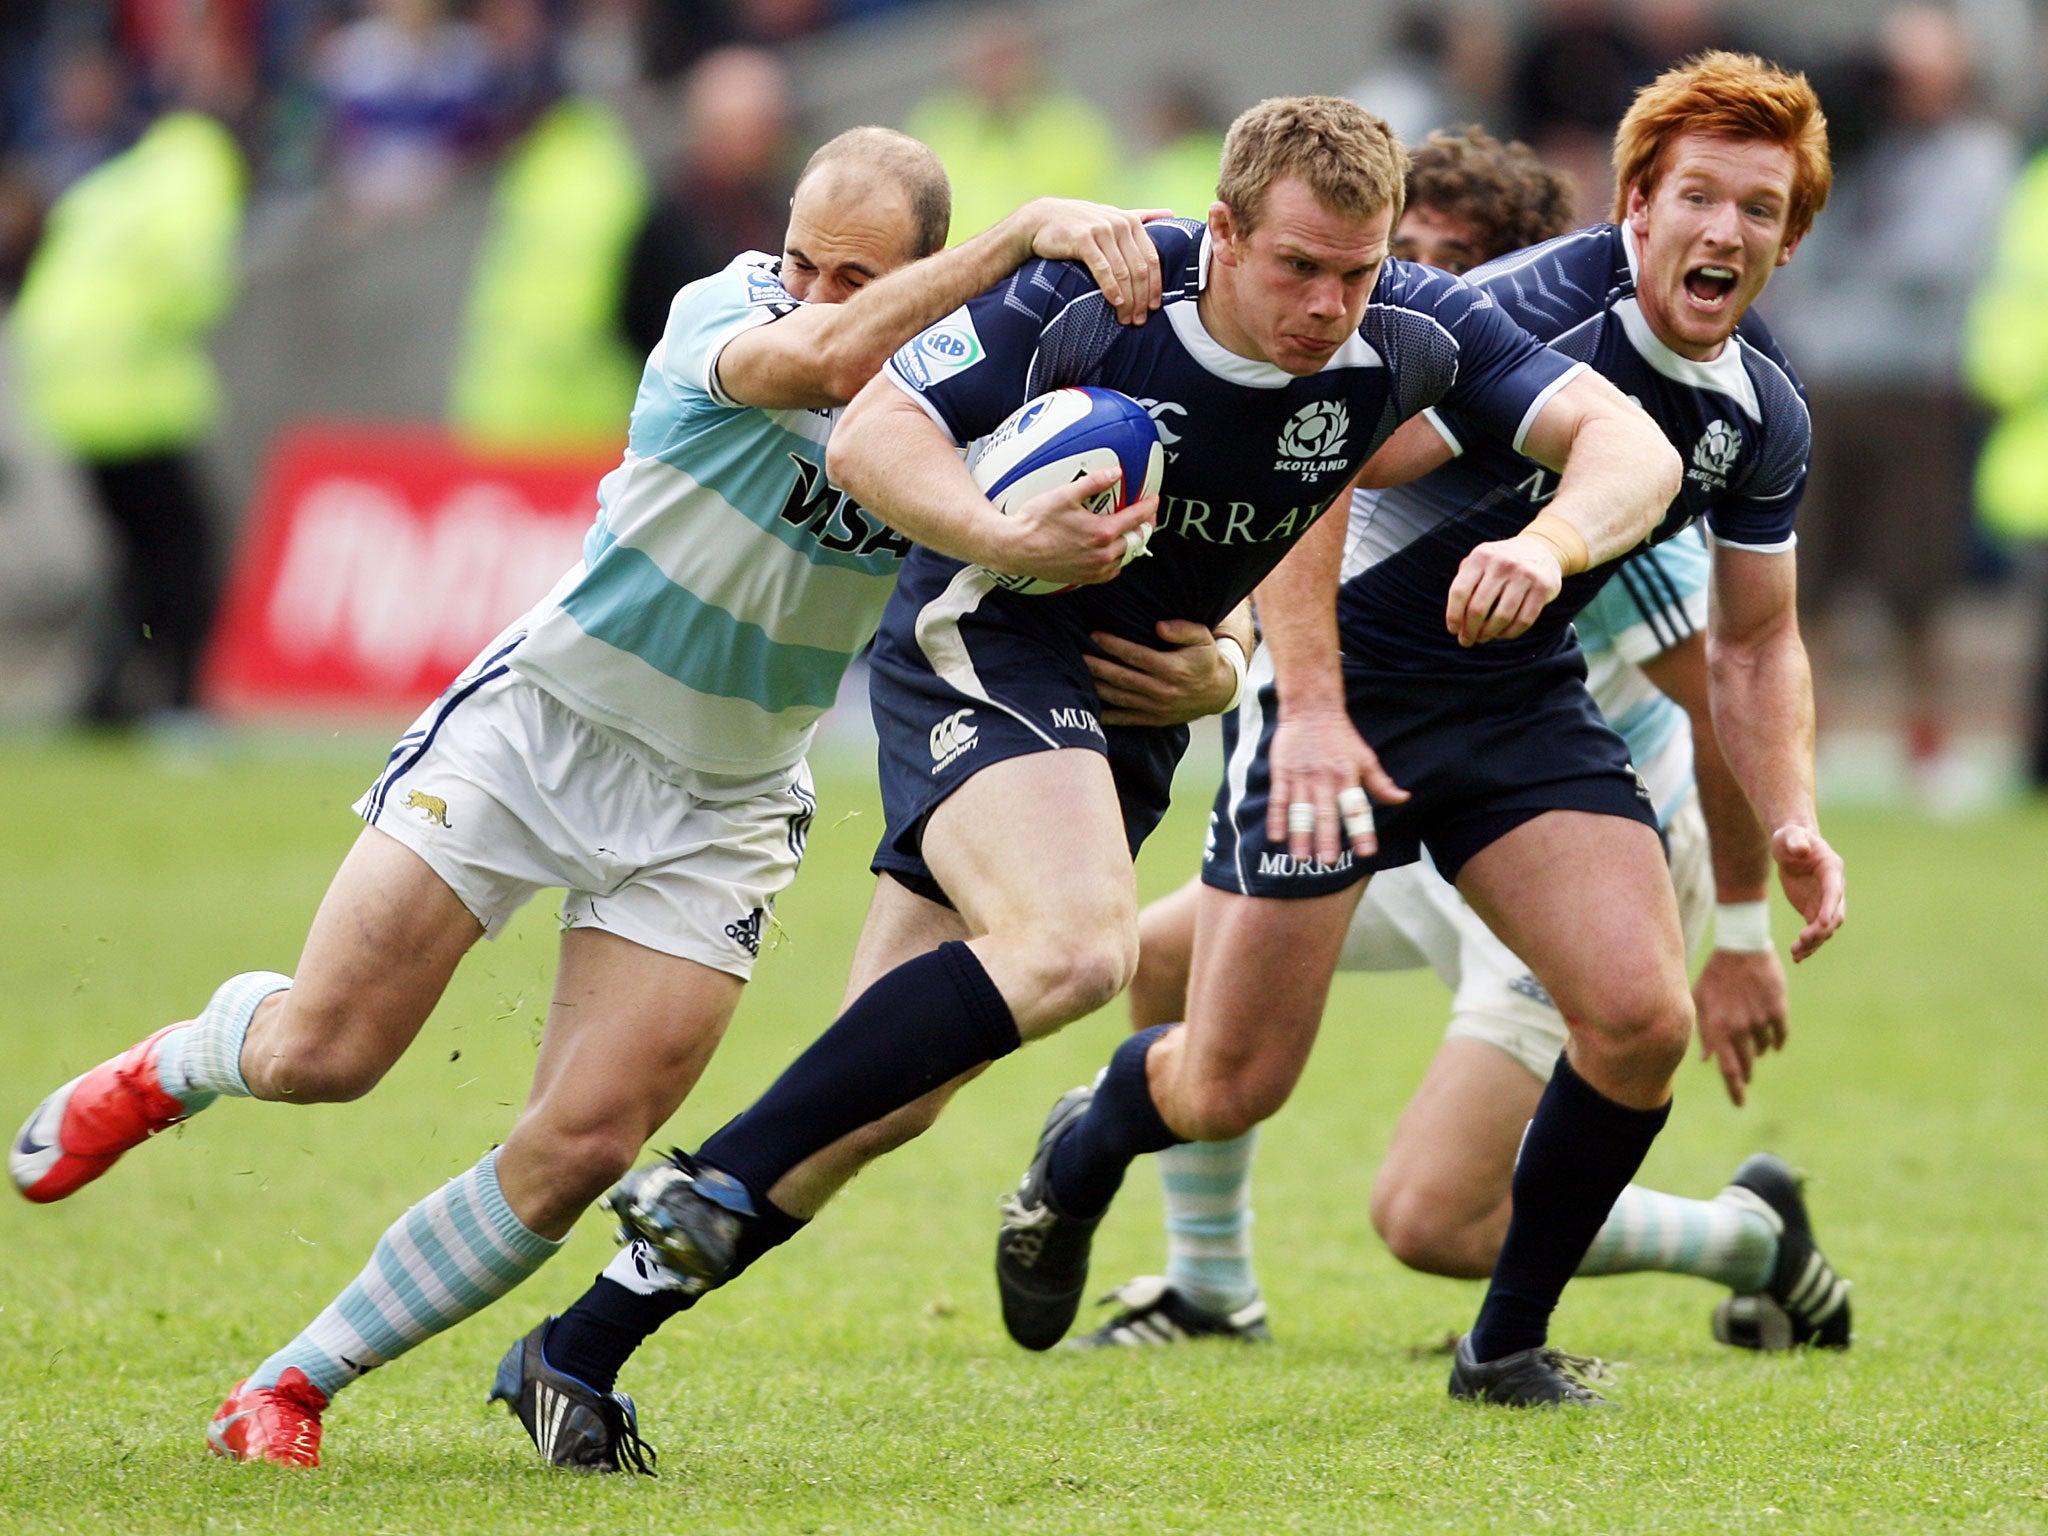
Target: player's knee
[(1647, 1031), (575, 1162), (1224, 1108), (1417, 1230), (309, 1056), (1086, 968)]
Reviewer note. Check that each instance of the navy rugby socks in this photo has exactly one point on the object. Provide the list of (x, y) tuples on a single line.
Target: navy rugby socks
[(1088, 1161), (607, 1323), (1578, 1155), (918, 1027)]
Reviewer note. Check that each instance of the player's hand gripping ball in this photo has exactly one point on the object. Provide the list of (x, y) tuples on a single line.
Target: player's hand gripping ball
[(1056, 439)]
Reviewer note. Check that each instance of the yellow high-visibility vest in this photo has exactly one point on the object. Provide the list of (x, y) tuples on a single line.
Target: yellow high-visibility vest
[(138, 264), (542, 366)]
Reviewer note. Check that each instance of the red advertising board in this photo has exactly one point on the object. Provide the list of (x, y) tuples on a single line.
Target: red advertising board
[(378, 560)]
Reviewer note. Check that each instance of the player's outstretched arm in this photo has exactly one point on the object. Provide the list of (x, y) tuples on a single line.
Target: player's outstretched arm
[(1616, 476), (820, 355), (1763, 715), (1740, 993), (1318, 761), (894, 460)]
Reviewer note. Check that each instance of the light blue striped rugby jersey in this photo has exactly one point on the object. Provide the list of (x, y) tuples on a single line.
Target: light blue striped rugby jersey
[(725, 585), (1654, 600)]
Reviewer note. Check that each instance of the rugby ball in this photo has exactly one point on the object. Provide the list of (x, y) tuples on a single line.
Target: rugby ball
[(1057, 438)]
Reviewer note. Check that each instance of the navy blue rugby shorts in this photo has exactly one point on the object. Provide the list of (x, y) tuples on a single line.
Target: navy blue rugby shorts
[(964, 675), (1479, 753)]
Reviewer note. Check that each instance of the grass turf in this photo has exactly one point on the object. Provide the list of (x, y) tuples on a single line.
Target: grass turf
[(860, 1381)]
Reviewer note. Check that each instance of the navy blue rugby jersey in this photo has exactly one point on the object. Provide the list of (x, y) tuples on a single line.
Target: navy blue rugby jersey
[(1253, 455), (1739, 422)]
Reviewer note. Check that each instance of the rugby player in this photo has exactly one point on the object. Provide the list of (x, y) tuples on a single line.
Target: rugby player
[(1442, 1195), (637, 738), (1288, 349), (1524, 798)]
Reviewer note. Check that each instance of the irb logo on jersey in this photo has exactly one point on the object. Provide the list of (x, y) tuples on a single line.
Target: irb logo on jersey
[(952, 346), (1312, 442), (765, 287), (951, 737)]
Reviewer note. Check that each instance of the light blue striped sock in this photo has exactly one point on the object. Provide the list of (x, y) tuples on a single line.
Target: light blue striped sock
[(1714, 1239), (203, 1060), (1208, 1188), (447, 1258)]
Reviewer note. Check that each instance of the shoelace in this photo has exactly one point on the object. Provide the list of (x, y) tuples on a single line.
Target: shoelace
[(1580, 1370), (1025, 1228), (627, 1448)]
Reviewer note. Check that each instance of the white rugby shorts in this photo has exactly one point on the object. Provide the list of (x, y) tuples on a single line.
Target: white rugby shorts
[(505, 791), (1410, 917)]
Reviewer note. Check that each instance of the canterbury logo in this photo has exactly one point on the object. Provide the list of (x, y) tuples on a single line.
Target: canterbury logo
[(435, 808), (950, 737)]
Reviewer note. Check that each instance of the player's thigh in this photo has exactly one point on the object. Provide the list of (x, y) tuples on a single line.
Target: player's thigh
[(629, 1031), (386, 939), (1692, 873), (1442, 1194), (1260, 979), (1032, 852), (1586, 900), (1034, 839), (900, 926), (1166, 951)]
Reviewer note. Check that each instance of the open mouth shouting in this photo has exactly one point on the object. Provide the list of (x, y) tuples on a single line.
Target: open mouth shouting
[(1710, 287)]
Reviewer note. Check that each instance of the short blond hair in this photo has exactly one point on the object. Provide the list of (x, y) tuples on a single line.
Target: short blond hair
[(1347, 157), (1729, 96)]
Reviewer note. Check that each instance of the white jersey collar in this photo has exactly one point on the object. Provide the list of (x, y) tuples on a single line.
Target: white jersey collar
[(1724, 375), (1218, 359)]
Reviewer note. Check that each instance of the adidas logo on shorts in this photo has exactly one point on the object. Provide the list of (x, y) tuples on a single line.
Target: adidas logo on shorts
[(747, 931)]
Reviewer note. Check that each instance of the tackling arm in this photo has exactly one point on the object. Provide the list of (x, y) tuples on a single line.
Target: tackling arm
[(894, 460), (820, 355), (1762, 690)]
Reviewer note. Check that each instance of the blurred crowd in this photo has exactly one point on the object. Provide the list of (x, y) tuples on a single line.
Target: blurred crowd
[(635, 144)]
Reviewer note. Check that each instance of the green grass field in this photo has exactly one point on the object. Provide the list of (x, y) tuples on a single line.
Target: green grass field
[(860, 1381)]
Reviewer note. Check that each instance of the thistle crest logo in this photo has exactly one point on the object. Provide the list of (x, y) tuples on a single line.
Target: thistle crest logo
[(1316, 431), (1717, 449)]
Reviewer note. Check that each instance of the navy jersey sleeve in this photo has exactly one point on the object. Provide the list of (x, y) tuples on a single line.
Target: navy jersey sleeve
[(1759, 511), (1504, 376), (981, 362)]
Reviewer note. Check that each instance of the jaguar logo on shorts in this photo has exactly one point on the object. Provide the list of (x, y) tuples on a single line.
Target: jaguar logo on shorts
[(433, 807), (1313, 439), (747, 932), (951, 737)]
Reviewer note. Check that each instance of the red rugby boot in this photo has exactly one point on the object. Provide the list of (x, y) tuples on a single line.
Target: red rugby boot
[(278, 1424), (78, 1132)]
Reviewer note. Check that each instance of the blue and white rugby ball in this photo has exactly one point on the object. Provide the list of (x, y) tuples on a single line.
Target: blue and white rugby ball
[(1057, 438)]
